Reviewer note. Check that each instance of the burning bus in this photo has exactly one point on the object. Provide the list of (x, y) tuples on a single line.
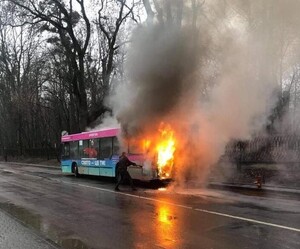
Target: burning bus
[(97, 153)]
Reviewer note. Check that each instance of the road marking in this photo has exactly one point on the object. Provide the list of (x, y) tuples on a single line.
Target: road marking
[(191, 208), (249, 220)]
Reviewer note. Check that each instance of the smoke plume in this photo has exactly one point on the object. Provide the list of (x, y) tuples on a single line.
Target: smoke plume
[(211, 80)]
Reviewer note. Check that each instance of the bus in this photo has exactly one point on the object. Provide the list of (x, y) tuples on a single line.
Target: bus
[(97, 153)]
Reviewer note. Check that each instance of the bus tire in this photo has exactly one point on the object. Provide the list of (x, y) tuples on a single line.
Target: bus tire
[(75, 170)]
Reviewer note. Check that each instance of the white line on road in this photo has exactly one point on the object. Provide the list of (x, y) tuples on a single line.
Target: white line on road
[(196, 209)]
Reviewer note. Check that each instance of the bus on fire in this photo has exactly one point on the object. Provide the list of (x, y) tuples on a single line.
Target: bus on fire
[(97, 153)]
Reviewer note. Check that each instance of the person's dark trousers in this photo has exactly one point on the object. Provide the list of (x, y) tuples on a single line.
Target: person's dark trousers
[(121, 178)]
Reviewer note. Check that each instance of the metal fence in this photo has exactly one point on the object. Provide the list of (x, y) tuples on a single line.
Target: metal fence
[(271, 149)]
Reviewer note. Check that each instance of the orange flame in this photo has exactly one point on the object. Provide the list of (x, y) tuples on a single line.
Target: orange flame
[(146, 144), (165, 151)]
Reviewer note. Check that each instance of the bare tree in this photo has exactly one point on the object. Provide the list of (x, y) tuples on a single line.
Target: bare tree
[(20, 63), (111, 37), (61, 19), (110, 29)]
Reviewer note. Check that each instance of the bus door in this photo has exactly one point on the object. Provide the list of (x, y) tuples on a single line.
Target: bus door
[(106, 165), (89, 152)]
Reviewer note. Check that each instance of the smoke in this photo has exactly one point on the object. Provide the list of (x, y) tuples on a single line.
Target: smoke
[(212, 80), (161, 61), (105, 121)]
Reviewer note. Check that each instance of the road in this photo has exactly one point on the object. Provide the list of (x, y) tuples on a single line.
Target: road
[(86, 212)]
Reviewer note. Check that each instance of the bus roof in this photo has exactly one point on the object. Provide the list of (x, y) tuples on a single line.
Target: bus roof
[(109, 132)]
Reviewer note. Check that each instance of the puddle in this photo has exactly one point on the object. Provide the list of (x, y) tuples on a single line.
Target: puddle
[(36, 222)]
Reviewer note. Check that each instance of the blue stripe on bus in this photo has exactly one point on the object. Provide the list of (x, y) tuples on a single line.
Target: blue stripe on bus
[(98, 167)]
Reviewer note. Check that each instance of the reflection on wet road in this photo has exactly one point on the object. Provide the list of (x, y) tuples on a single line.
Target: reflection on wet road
[(167, 231), (87, 213)]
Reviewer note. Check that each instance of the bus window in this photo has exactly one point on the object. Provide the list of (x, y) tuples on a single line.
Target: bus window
[(66, 151), (83, 144), (105, 147), (90, 151), (74, 150), (116, 146)]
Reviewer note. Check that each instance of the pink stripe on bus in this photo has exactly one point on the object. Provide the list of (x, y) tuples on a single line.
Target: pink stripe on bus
[(91, 135)]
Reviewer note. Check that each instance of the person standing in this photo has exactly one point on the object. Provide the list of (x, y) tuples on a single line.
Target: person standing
[(122, 172)]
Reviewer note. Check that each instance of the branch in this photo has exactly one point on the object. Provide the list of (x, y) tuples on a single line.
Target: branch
[(102, 27), (121, 44), (87, 23), (36, 13), (149, 11)]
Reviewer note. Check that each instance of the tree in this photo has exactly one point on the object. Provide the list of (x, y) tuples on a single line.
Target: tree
[(61, 19), (20, 81), (109, 27)]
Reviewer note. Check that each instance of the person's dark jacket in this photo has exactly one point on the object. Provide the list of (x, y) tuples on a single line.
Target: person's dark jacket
[(123, 163)]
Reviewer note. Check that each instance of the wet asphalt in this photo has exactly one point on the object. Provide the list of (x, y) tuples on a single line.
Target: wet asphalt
[(16, 235), (41, 208)]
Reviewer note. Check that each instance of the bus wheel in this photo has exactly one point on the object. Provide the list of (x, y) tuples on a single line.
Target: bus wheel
[(76, 171)]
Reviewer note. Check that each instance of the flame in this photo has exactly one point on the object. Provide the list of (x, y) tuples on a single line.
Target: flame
[(146, 144), (158, 149), (165, 150)]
